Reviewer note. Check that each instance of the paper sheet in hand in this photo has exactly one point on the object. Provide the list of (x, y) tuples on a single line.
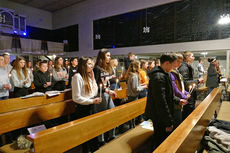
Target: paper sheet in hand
[(147, 125), (36, 129)]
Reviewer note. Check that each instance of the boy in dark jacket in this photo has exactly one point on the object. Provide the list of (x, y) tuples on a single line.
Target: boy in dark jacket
[(42, 78), (161, 99)]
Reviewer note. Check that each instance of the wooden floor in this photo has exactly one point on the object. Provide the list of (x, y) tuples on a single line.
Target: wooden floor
[(224, 111)]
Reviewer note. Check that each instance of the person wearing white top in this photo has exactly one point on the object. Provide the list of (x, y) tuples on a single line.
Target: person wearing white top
[(20, 78), (84, 86), (4, 81), (7, 65), (84, 92)]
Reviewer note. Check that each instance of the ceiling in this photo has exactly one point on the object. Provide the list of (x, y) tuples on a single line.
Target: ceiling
[(48, 5)]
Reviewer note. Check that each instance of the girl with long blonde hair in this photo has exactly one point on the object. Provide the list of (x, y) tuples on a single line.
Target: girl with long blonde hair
[(20, 78)]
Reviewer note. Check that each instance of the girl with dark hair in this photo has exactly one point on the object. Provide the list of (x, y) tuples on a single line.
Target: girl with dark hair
[(84, 86), (20, 78), (84, 92), (59, 74), (102, 71), (72, 70)]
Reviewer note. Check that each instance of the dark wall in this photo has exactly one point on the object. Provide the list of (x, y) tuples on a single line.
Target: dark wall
[(183, 21), (67, 33)]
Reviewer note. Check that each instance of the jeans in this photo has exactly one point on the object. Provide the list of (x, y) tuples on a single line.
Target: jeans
[(210, 89), (5, 97)]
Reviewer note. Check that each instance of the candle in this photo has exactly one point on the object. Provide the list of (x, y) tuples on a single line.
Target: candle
[(51, 77), (68, 70), (116, 84), (193, 86), (100, 90), (122, 70), (190, 87)]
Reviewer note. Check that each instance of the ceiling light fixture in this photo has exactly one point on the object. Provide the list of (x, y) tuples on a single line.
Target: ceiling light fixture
[(224, 19)]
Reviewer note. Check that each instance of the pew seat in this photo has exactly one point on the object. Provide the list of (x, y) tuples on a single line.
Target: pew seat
[(203, 88), (224, 112), (12, 148), (121, 94), (228, 90), (128, 142)]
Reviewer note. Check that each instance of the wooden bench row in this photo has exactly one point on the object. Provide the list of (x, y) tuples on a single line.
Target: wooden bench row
[(185, 138), (17, 113), (224, 112)]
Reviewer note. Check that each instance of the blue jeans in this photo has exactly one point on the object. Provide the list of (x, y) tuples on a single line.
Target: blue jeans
[(210, 89), (3, 98)]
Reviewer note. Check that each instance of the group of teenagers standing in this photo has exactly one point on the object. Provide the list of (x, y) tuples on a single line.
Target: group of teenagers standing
[(166, 86), (18, 78), (170, 98)]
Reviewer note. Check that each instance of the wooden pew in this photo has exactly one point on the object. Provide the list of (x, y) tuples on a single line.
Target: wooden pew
[(121, 94), (224, 112), (186, 138), (13, 104), (16, 113), (66, 136), (21, 118), (191, 130)]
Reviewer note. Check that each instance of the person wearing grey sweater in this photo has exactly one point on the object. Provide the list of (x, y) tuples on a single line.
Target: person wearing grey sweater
[(134, 86), (4, 81)]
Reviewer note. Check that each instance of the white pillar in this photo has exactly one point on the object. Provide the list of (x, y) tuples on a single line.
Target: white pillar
[(227, 64)]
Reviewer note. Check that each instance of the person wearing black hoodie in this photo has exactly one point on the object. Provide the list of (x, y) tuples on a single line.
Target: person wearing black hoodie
[(161, 99), (42, 78), (72, 70)]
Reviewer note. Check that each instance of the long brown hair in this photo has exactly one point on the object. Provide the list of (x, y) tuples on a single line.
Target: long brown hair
[(82, 69), (134, 67), (57, 68), (101, 60), (17, 68)]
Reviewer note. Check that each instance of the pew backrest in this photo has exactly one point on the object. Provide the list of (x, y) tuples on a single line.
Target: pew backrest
[(31, 111), (186, 137), (13, 104), (66, 136)]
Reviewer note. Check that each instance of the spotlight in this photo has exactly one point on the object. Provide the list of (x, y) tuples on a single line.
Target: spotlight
[(224, 19), (24, 33)]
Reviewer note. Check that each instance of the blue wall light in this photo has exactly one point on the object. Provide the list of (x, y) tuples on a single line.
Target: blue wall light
[(24, 33), (113, 46)]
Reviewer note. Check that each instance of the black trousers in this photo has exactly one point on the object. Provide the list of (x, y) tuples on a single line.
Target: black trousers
[(83, 111), (159, 134), (59, 85), (18, 92)]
